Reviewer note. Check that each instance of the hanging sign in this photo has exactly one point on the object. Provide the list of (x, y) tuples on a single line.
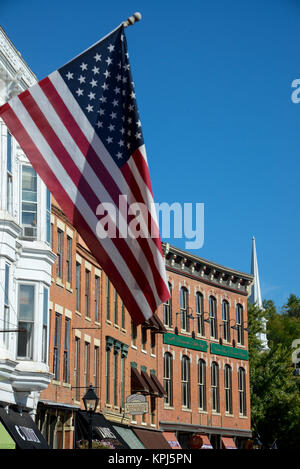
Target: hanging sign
[(136, 404)]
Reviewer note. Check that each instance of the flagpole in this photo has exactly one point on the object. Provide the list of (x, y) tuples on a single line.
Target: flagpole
[(132, 19)]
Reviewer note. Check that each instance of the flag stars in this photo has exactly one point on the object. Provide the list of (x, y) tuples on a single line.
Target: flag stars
[(79, 92), (69, 76), (83, 66), (91, 95), (99, 124), (109, 139), (121, 143), (111, 48), (106, 74), (93, 83), (115, 103), (89, 108), (81, 79), (105, 86), (111, 127), (95, 70), (119, 155), (113, 115), (109, 61), (97, 57)]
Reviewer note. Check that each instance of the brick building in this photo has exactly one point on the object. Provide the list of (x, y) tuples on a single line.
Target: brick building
[(204, 354), (188, 361)]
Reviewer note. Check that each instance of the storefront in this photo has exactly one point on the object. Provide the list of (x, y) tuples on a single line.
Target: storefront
[(102, 431), (171, 439), (21, 429)]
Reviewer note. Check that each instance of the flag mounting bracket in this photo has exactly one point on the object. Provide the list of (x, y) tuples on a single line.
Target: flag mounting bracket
[(132, 19)]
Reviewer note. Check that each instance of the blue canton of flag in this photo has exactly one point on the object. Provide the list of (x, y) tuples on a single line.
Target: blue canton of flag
[(100, 80)]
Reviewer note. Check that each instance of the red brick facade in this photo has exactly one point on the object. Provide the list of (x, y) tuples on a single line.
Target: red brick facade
[(91, 342)]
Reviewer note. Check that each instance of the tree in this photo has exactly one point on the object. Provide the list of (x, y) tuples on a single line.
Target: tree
[(275, 398)]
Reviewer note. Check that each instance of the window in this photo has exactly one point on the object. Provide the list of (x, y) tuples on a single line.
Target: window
[(133, 334), (86, 364), (107, 372), (213, 317), (48, 216), (116, 307), (77, 369), (202, 384), (96, 367), (122, 377), (97, 298), (66, 377), (123, 316), (152, 410), (107, 298), (87, 292), (168, 378), (9, 191), (115, 383), (6, 319), (152, 342), (242, 391), (239, 324), (78, 285), (69, 261), (29, 202), (228, 389), (45, 327), (184, 309), (26, 321), (225, 321), (144, 338), (56, 347), (59, 253), (199, 314), (215, 387), (185, 381), (168, 309)]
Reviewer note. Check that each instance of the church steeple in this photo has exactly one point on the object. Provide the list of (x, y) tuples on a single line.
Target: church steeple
[(256, 293), (255, 297)]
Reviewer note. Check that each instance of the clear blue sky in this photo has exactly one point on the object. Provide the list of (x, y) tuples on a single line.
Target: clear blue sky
[(213, 82)]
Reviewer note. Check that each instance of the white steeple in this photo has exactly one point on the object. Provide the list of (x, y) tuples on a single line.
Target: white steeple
[(255, 297)]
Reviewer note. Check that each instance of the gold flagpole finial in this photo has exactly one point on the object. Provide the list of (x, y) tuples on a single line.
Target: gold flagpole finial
[(132, 19)]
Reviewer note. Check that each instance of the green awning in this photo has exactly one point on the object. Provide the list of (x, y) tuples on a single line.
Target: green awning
[(6, 442), (130, 438)]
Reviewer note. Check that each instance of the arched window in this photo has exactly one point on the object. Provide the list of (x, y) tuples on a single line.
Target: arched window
[(242, 391), (215, 387), (184, 297), (168, 309), (225, 321), (213, 317), (168, 378), (185, 382), (239, 324), (199, 313), (202, 384), (228, 388)]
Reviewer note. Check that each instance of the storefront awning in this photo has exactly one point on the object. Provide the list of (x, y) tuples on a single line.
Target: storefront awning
[(151, 439), (6, 441), (228, 443), (22, 429), (172, 440), (128, 435), (158, 384), (152, 388), (155, 324), (138, 384), (102, 431)]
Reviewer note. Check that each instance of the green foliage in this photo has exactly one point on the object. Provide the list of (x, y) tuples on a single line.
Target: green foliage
[(275, 397)]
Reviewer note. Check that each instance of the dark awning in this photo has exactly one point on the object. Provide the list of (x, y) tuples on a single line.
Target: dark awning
[(22, 429), (102, 430), (152, 388), (151, 439), (138, 384), (158, 385), (155, 324)]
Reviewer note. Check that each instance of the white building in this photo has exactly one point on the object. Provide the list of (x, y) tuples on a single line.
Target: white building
[(25, 255)]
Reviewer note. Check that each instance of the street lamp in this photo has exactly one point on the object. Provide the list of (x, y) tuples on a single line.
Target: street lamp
[(90, 400)]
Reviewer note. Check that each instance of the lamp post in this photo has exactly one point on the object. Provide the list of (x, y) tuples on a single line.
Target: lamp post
[(90, 400)]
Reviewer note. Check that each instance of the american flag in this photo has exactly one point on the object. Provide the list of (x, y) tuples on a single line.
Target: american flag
[(81, 131)]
